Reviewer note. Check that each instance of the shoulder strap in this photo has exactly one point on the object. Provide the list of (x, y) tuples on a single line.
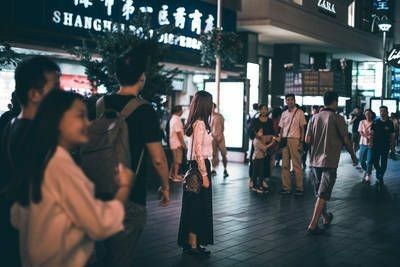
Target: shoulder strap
[(291, 121), (132, 105), (100, 106)]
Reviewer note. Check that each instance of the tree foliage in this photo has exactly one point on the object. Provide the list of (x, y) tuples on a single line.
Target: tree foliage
[(227, 45), (99, 54), (8, 57)]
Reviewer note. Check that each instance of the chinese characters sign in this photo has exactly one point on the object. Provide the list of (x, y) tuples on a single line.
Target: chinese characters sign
[(190, 18)]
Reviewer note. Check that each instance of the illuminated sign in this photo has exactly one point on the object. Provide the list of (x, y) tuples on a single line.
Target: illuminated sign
[(327, 7), (381, 4), (393, 58), (189, 19)]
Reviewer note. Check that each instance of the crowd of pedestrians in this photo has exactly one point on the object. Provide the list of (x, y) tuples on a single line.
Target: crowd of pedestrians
[(47, 195)]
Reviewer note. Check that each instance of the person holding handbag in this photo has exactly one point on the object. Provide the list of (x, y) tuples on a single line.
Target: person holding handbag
[(292, 138), (196, 223)]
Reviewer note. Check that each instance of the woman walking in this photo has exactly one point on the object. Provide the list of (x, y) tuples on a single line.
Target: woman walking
[(56, 214), (196, 224), (366, 159)]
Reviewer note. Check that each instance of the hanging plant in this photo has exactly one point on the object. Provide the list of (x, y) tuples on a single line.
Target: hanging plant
[(110, 45), (8, 57), (227, 45)]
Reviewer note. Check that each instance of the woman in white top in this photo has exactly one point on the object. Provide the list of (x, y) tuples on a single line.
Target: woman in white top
[(56, 214), (196, 225), (366, 158)]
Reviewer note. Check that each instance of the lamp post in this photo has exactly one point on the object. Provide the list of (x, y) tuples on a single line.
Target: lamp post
[(384, 26), (218, 57)]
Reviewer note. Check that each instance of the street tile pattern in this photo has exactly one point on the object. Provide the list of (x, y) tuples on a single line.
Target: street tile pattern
[(269, 230)]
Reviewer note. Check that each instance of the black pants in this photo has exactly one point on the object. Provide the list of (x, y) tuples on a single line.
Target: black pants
[(118, 250), (380, 156)]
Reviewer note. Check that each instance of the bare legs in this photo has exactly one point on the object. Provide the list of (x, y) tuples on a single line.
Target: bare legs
[(319, 209)]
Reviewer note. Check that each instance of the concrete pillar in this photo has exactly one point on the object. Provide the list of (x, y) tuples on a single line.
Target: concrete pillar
[(283, 54)]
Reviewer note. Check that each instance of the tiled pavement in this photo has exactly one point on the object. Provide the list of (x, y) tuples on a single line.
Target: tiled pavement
[(258, 230)]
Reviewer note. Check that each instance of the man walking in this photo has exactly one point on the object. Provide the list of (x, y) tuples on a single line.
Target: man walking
[(176, 143), (326, 135), (217, 132), (292, 129), (382, 139)]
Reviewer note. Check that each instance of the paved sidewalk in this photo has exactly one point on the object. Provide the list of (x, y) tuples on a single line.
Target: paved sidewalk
[(269, 230)]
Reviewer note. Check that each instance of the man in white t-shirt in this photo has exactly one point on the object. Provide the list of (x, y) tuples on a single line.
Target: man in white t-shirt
[(176, 143), (292, 127)]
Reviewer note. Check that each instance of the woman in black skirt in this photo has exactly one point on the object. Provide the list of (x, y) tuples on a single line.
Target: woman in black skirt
[(196, 225)]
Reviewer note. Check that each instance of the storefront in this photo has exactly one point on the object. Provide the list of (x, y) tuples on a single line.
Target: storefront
[(47, 27)]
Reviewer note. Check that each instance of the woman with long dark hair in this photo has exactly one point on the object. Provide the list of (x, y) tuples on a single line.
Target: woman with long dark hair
[(56, 213), (196, 225)]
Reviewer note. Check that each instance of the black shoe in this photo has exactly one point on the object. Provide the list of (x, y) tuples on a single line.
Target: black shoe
[(299, 193), (379, 186), (315, 231), (285, 192), (204, 250), (195, 252), (330, 218), (213, 173), (226, 174)]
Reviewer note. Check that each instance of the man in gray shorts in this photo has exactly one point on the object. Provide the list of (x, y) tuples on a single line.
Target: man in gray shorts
[(326, 134)]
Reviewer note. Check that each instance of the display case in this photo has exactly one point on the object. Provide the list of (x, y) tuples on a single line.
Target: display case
[(395, 83), (313, 83)]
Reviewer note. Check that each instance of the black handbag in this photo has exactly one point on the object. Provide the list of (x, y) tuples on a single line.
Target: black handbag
[(193, 180), (283, 142)]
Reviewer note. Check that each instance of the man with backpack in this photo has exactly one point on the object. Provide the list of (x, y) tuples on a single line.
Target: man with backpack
[(34, 78), (144, 141)]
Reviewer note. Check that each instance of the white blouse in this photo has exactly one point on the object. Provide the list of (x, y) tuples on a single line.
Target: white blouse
[(60, 230), (202, 145)]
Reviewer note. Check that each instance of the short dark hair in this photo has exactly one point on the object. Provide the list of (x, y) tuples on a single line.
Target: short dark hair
[(290, 95), (176, 109), (130, 66), (330, 97), (260, 106), (315, 107), (385, 107), (30, 74)]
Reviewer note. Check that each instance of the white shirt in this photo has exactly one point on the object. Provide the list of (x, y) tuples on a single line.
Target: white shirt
[(366, 127), (60, 230), (202, 145), (175, 127), (298, 121)]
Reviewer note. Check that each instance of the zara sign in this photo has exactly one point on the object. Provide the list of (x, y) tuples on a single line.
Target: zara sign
[(327, 7)]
